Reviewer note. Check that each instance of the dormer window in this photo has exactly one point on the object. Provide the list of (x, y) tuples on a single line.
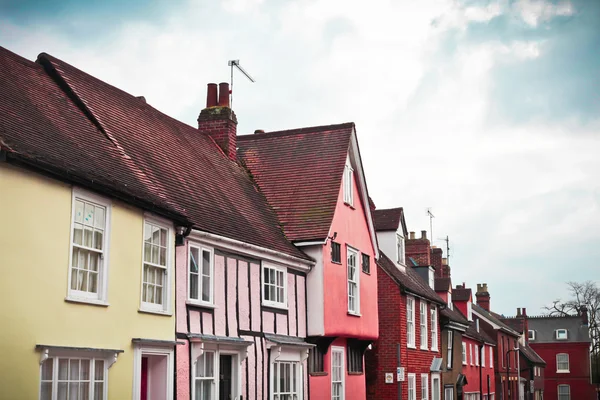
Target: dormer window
[(469, 311), (400, 258), (477, 324), (531, 334), (450, 305), (561, 334), (348, 178), (431, 281)]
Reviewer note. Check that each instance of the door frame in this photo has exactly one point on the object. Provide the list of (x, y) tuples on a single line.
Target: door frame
[(236, 381), (342, 350), (142, 350)]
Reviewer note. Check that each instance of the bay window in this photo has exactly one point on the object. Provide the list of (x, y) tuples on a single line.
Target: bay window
[(286, 381)]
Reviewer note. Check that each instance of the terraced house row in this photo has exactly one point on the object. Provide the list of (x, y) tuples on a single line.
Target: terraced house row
[(147, 259)]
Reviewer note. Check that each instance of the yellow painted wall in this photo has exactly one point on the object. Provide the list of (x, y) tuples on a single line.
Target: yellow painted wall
[(35, 220)]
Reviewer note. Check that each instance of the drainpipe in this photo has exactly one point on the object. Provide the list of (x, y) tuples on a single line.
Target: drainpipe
[(480, 371), (518, 370)]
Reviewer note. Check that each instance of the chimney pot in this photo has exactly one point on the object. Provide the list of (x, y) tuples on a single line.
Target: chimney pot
[(444, 261), (423, 234), (259, 131), (412, 235), (224, 94), (211, 95), (518, 312), (524, 312)]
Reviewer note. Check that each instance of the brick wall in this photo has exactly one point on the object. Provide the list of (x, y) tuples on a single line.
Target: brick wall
[(221, 124)]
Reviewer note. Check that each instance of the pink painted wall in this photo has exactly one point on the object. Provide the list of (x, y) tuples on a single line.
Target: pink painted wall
[(219, 295), (182, 381), (301, 306), (352, 229), (181, 255), (320, 386), (243, 293)]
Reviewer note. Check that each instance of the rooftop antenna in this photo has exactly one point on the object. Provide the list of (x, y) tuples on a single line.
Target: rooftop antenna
[(431, 217), (236, 64), (447, 240)]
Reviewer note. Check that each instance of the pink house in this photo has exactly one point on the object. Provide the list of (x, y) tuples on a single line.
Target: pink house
[(314, 180), (241, 284)]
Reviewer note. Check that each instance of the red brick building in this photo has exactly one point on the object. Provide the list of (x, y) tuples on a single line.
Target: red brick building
[(564, 344), (408, 317)]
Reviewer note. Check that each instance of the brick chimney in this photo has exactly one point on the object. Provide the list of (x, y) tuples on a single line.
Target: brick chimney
[(436, 261), (483, 296), (446, 273), (218, 120), (525, 324), (418, 249)]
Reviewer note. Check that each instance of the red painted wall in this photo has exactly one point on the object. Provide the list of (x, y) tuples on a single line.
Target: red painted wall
[(352, 230), (579, 366), (472, 371), (382, 358)]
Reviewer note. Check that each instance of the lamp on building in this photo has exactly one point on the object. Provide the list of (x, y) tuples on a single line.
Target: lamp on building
[(516, 350)]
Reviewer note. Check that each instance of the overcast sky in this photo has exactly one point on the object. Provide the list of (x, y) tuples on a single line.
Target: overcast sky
[(486, 111)]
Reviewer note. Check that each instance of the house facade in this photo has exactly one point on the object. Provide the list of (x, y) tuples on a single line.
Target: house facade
[(95, 311), (313, 179), (408, 319), (564, 344)]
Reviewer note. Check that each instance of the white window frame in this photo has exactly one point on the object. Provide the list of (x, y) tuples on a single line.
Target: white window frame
[(400, 250), (449, 393), (476, 355), (340, 351), (471, 353), (483, 356), (273, 303), (531, 334), (212, 380), (410, 323), (101, 297), (558, 332), (164, 308), (464, 353), (424, 387), (201, 248), (275, 382), (348, 183), (450, 350), (436, 377), (450, 304), (434, 328), (53, 356), (561, 396), (412, 384), (559, 370), (469, 311), (423, 333), (491, 357), (356, 281), (143, 350)]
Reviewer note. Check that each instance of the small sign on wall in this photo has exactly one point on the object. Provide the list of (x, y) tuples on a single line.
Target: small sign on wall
[(389, 377)]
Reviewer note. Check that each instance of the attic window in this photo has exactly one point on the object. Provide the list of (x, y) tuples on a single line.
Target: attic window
[(561, 334), (469, 311), (531, 334), (400, 254), (348, 178)]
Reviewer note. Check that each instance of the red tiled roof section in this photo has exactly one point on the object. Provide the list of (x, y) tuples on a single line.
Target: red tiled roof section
[(215, 193), (300, 172), (388, 219), (43, 128)]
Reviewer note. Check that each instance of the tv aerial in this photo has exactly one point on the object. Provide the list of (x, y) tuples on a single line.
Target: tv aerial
[(236, 64)]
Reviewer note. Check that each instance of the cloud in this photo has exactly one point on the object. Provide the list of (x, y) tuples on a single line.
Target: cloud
[(485, 111)]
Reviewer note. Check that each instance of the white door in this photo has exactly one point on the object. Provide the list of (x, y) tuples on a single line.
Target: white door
[(435, 387), (337, 373), (522, 391)]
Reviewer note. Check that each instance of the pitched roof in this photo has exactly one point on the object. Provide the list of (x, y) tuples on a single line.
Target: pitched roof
[(300, 172), (158, 156), (491, 318), (545, 327), (43, 129), (459, 294), (531, 355), (480, 336), (409, 280), (442, 284), (388, 219), (454, 315)]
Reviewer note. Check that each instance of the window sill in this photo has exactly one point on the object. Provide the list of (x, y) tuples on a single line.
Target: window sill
[(365, 272), (100, 303), (355, 373), (424, 348), (274, 309), (155, 312), (411, 346), (336, 262), (349, 205), (435, 350), (200, 304), (318, 373), (352, 314), (562, 371)]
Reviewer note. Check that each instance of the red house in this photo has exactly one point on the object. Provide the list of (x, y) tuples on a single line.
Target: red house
[(408, 318), (314, 181), (564, 344)]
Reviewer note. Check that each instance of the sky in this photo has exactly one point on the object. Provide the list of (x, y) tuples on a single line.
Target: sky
[(486, 112)]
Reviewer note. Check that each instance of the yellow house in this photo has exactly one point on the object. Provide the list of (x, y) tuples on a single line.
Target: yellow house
[(87, 277)]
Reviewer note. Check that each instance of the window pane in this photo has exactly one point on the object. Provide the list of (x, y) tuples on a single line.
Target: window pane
[(77, 234), (88, 214), (46, 391), (63, 369), (73, 391), (147, 233), (88, 234), (85, 370), (163, 256), (84, 391), (74, 370), (47, 368), (163, 237), (99, 218), (78, 211), (99, 370), (62, 391), (206, 263), (154, 251), (98, 391), (205, 288)]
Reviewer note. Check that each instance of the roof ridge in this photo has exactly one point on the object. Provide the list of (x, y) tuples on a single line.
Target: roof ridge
[(296, 131)]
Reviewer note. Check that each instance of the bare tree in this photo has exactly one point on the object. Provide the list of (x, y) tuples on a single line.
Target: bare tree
[(584, 296)]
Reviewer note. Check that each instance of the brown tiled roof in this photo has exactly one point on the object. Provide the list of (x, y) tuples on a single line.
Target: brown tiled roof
[(155, 156), (515, 323), (388, 219), (42, 128), (480, 336), (442, 284), (300, 172), (487, 315), (531, 355), (410, 280), (461, 294), (454, 315)]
